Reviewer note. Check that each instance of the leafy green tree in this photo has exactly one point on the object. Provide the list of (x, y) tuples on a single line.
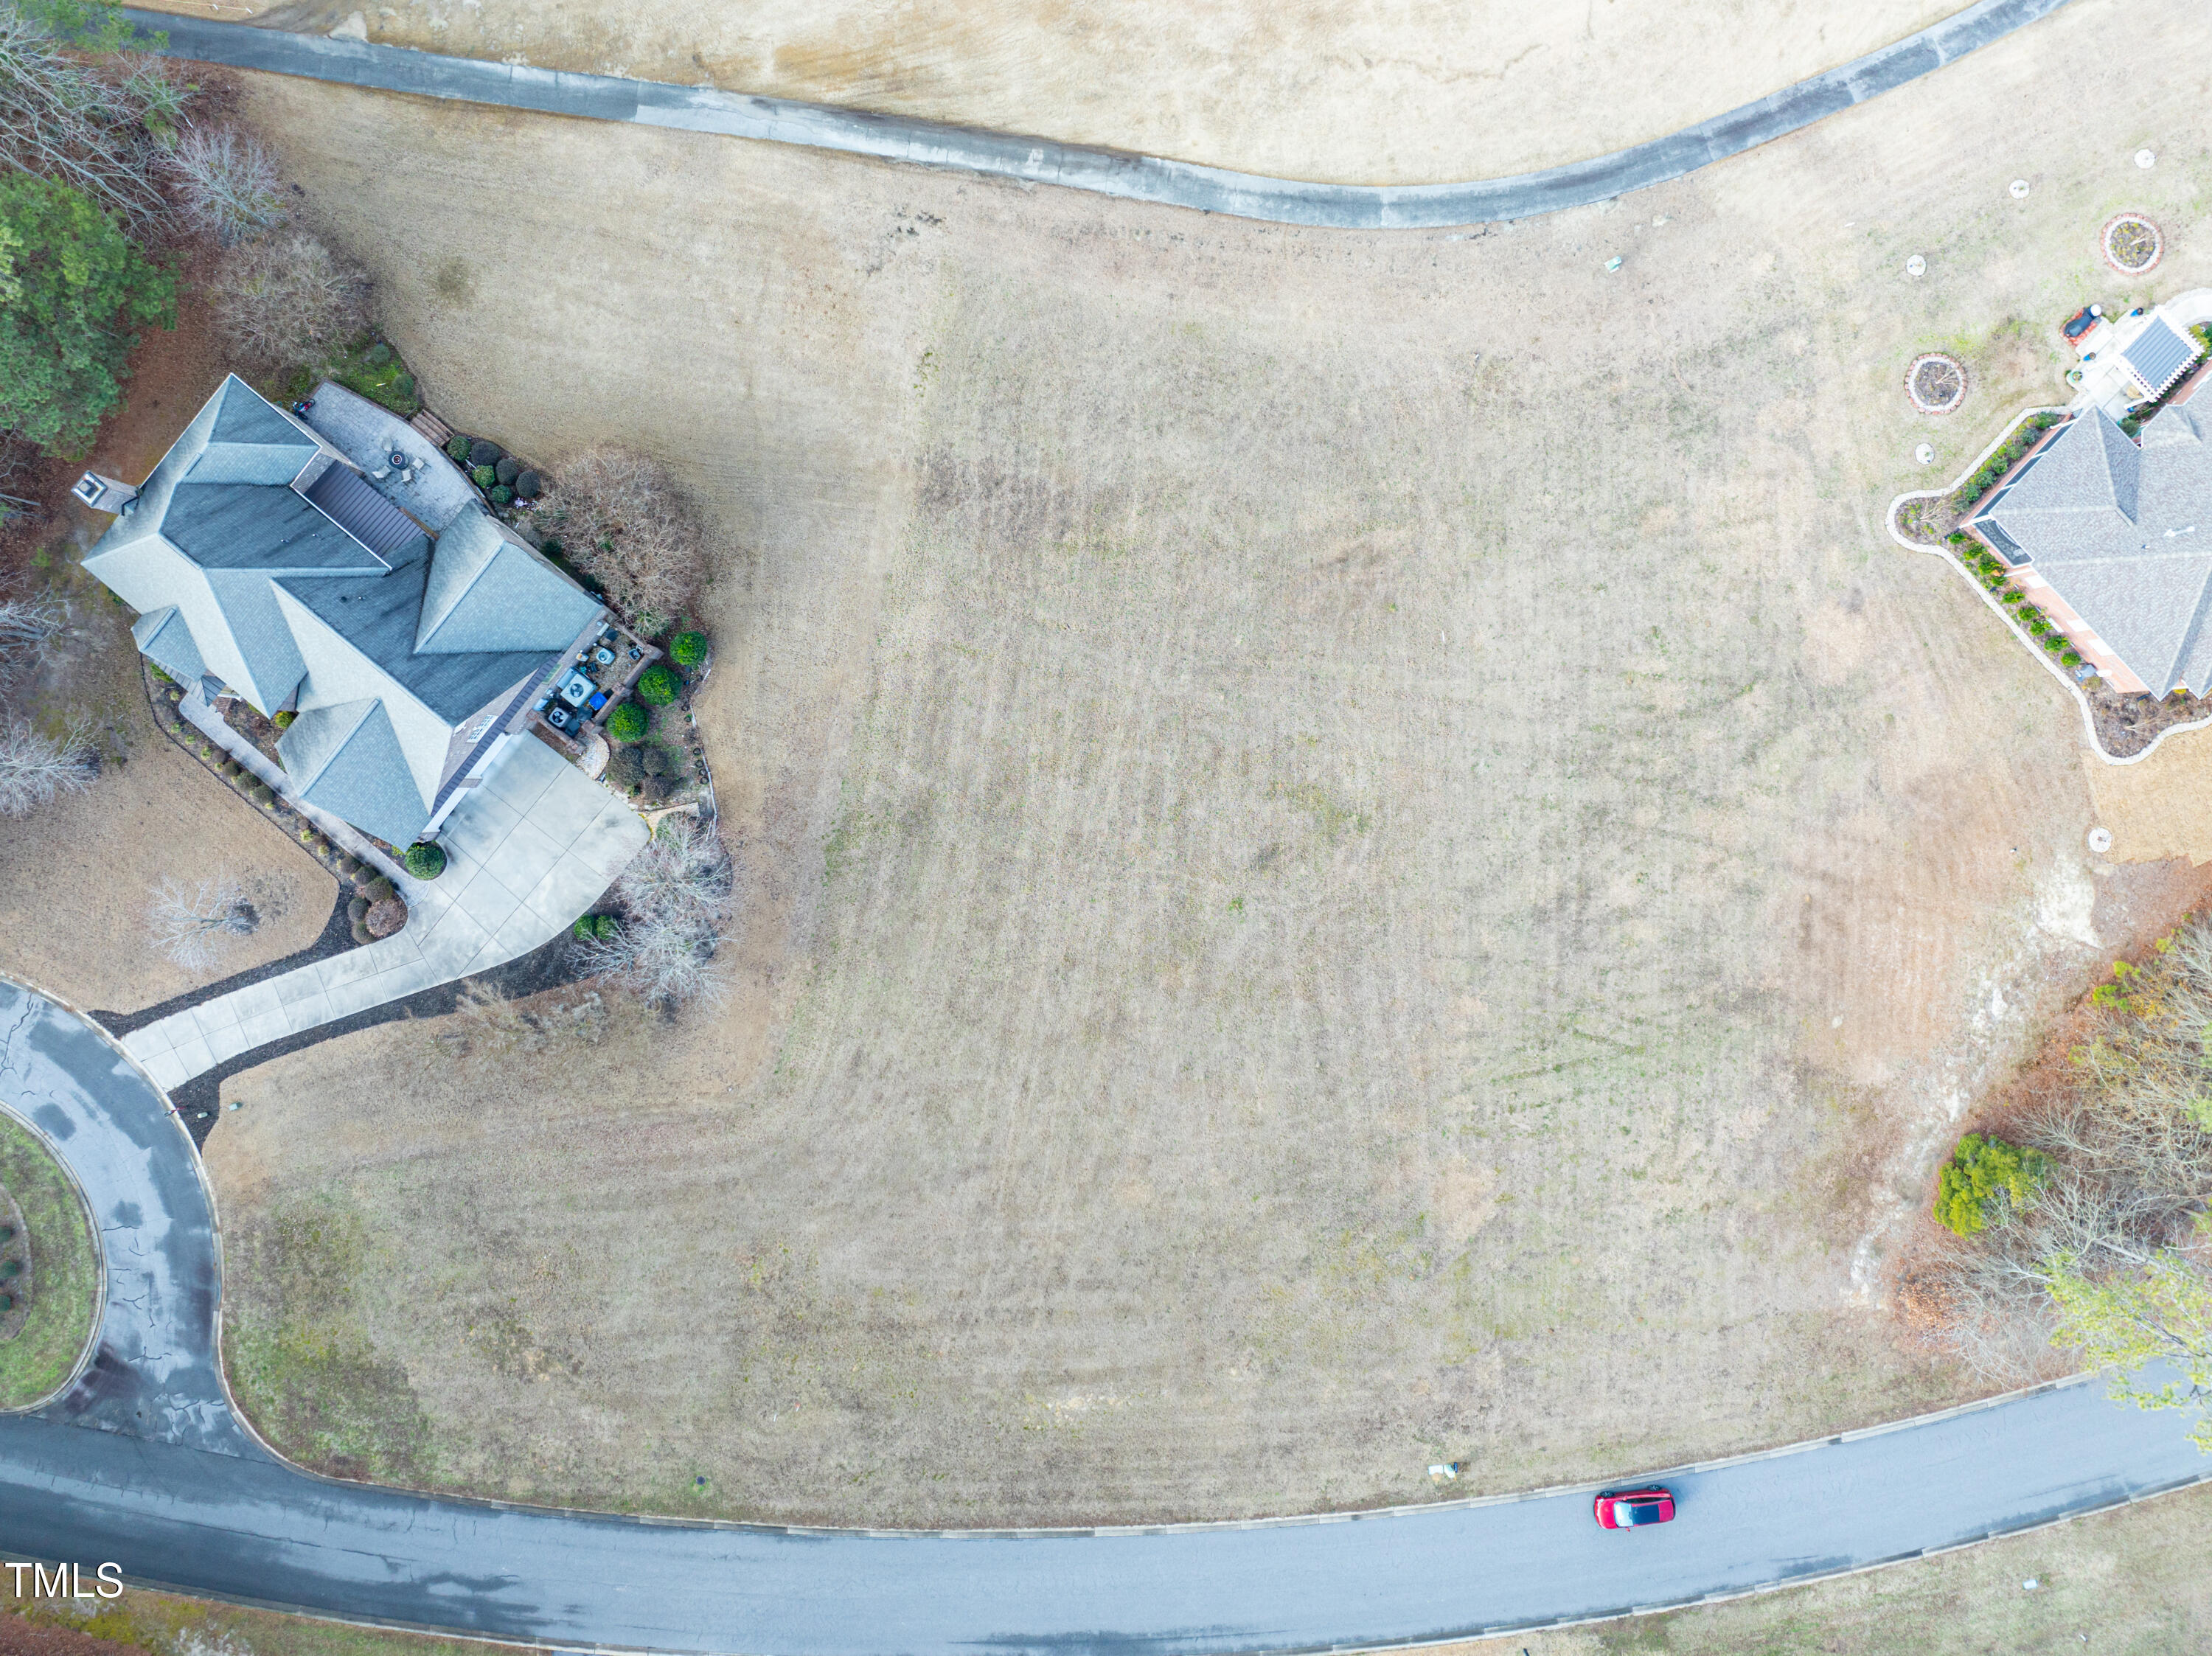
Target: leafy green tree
[(657, 686), (1986, 1182), (2122, 1320), (627, 722), (74, 290)]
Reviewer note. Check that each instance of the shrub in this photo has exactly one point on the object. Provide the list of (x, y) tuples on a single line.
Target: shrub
[(484, 453), (625, 768), (1986, 1182), (376, 888), (360, 932), (2055, 643), (627, 722), (507, 468), (2071, 658), (378, 356), (425, 860), (583, 931), (2015, 597), (357, 910), (529, 486), (283, 721), (11, 1270), (502, 495), (627, 523), (605, 927), (658, 686), (404, 384), (286, 300), (457, 448), (688, 649), (386, 918), (656, 762), (263, 794), (483, 477)]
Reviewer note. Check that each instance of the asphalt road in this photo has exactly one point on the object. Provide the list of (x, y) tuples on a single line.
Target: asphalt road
[(141, 1462), (1075, 166)]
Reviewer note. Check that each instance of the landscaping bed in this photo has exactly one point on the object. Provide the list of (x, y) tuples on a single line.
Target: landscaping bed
[(43, 1335), (2128, 723), (1932, 517), (657, 760)]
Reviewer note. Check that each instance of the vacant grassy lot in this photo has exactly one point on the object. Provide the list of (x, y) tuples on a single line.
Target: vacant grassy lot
[(1410, 91), (170, 1626), (1337, 830), (64, 1270)]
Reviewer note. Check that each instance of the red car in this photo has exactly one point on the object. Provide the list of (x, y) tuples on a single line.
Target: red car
[(1632, 1509)]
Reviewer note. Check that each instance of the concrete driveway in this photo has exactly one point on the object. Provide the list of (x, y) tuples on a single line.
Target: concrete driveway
[(533, 846)]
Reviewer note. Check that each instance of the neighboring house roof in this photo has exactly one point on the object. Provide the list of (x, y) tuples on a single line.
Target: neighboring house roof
[(2124, 534), (261, 557), (2159, 355)]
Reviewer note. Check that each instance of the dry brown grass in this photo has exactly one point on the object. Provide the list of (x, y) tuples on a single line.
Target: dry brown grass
[(1338, 827)]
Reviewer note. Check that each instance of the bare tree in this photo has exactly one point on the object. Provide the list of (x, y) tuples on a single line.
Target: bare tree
[(286, 299), (226, 184), (27, 623), (36, 769), (189, 922), (622, 518), (676, 896), (99, 124)]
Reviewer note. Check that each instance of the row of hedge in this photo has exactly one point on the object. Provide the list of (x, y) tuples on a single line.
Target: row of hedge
[(658, 686), (503, 477), (1997, 576)]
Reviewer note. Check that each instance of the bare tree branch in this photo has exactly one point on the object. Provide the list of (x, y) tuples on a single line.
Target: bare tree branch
[(189, 923), (227, 184), (35, 769), (286, 300), (623, 519), (677, 897)]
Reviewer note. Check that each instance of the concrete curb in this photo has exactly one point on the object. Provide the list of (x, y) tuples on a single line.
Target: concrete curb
[(1104, 172)]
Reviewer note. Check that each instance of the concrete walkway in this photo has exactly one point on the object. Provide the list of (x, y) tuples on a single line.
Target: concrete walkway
[(1111, 173), (533, 846)]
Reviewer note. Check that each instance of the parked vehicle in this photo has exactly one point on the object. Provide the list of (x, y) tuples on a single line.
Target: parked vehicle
[(1632, 1509)]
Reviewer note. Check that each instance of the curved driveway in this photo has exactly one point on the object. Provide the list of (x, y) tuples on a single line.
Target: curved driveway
[(1108, 172), (167, 1485)]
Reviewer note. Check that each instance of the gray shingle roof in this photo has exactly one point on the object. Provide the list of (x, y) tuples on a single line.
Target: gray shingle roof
[(261, 558), (489, 591), (2124, 534)]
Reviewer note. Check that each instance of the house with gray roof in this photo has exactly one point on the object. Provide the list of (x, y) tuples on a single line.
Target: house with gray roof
[(2112, 538), (262, 562)]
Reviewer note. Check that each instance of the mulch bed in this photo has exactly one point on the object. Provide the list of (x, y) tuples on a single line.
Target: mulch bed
[(2126, 723)]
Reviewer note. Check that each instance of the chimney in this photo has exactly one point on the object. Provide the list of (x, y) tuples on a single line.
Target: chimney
[(105, 493)]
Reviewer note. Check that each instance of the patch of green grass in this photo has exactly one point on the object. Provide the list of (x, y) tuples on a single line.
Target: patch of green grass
[(302, 1363), (163, 1623), (369, 367), (64, 1270)]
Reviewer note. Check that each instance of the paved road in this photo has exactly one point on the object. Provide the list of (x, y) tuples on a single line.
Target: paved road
[(170, 1488), (1112, 172)]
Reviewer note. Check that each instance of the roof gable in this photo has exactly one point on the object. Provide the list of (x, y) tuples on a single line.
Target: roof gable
[(487, 591), (347, 760)]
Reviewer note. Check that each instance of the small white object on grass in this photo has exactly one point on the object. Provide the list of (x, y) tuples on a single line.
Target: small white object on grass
[(1613, 263), (1925, 454), (2101, 839), (1915, 266), (2146, 159), (1444, 1471), (2019, 188), (2030, 1585)]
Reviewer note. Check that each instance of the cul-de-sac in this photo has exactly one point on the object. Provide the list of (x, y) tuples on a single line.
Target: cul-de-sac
[(863, 830)]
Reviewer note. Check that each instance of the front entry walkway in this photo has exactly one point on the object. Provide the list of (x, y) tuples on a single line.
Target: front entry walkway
[(533, 846)]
